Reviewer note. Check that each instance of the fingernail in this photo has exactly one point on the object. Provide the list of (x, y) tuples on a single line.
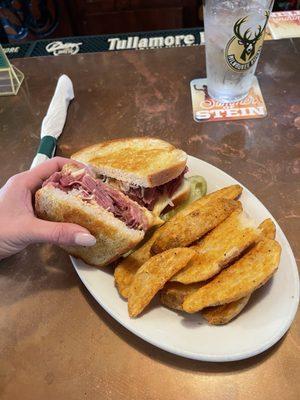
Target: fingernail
[(85, 239)]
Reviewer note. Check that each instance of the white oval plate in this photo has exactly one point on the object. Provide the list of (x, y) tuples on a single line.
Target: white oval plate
[(264, 321)]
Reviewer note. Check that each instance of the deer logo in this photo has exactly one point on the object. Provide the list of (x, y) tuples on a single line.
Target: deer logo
[(248, 40), (244, 47)]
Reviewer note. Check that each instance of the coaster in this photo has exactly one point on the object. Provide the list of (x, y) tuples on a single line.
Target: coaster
[(207, 109), (285, 24)]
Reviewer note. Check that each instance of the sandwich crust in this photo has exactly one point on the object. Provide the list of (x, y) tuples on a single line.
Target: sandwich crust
[(113, 237), (144, 161)]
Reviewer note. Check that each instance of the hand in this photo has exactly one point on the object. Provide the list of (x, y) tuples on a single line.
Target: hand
[(19, 226)]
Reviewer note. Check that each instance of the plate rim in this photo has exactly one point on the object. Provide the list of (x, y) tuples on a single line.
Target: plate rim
[(213, 357)]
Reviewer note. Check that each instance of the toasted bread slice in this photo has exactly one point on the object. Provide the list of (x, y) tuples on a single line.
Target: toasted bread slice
[(113, 237), (144, 161)]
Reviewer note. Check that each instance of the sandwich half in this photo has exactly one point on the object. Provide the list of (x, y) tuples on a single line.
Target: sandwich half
[(75, 195), (149, 171)]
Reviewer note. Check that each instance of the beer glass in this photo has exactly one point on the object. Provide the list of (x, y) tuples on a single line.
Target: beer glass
[(234, 34)]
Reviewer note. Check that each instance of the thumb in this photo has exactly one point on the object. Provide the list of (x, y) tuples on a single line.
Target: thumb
[(61, 233)]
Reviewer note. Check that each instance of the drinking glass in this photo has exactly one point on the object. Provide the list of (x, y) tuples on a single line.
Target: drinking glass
[(234, 35)]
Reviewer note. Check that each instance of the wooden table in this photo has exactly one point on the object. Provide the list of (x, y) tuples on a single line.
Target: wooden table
[(56, 342)]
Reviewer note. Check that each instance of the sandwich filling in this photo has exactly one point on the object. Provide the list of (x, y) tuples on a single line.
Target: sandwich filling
[(94, 190), (147, 196)]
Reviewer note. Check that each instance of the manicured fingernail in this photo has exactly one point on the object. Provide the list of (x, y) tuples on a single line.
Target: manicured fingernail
[(85, 239)]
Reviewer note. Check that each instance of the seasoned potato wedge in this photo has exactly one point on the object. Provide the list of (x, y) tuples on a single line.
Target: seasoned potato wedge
[(268, 229), (229, 192), (193, 279), (239, 280), (125, 271), (153, 275), (221, 315), (173, 293), (127, 268), (182, 230), (222, 245)]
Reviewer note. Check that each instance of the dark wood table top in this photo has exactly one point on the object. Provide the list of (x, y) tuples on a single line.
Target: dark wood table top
[(56, 342)]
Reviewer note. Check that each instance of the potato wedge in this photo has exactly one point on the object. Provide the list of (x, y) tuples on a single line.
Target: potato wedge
[(229, 192), (173, 294), (182, 230), (268, 229), (222, 245), (221, 315), (239, 280), (127, 268), (153, 275)]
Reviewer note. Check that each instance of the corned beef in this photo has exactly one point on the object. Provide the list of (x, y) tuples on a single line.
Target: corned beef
[(106, 196), (147, 197)]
